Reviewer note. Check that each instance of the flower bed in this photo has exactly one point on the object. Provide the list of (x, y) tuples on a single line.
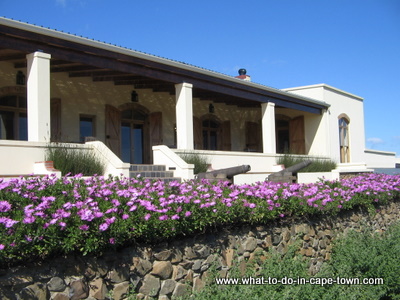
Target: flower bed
[(45, 216)]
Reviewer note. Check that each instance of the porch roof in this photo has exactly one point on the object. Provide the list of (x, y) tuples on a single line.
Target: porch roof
[(83, 57)]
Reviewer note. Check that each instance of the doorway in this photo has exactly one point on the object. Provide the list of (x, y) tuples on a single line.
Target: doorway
[(132, 136), (131, 130)]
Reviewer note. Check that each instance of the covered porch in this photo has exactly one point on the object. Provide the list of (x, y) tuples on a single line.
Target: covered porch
[(78, 90)]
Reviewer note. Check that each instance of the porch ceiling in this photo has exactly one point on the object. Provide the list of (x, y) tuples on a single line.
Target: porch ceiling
[(81, 57)]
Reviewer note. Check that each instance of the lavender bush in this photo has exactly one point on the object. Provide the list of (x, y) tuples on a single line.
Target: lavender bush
[(44, 215)]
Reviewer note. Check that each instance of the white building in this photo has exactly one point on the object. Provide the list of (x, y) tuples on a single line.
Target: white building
[(143, 109)]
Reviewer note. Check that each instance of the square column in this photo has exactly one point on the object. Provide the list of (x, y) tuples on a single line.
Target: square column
[(268, 127), (184, 116), (38, 91)]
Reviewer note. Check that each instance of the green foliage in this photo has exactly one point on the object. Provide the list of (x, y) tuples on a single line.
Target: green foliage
[(69, 158), (359, 255), (200, 161), (318, 164), (367, 254)]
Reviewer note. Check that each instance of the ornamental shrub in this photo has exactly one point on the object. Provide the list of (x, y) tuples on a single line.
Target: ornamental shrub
[(318, 164), (200, 162), (69, 159)]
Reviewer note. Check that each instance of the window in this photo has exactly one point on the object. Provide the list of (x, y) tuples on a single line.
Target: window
[(86, 127), (210, 134), (344, 140), (13, 118)]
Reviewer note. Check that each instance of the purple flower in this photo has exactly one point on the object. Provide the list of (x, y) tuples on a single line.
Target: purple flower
[(115, 202), (2, 246), (84, 227), (62, 224), (188, 213), (111, 220), (98, 214), (28, 220), (163, 217), (147, 217), (86, 214), (112, 240), (4, 206), (103, 227)]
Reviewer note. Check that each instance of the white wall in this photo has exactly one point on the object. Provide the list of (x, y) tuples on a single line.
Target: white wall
[(341, 102), (18, 157), (380, 159)]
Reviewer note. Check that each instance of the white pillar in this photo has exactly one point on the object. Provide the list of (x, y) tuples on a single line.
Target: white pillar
[(184, 116), (38, 91), (268, 127)]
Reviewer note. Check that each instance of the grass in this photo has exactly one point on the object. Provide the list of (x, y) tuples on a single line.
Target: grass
[(70, 159), (318, 164)]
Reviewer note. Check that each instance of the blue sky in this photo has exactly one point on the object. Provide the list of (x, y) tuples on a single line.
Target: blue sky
[(351, 45)]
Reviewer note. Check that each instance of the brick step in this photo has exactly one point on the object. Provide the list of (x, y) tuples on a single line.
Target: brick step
[(147, 168), (153, 172), (165, 179), (157, 174)]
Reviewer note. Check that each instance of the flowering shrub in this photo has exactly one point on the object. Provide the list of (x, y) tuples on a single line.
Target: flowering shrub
[(45, 215)]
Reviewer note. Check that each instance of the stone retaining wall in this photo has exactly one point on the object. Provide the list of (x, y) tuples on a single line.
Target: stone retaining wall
[(180, 267)]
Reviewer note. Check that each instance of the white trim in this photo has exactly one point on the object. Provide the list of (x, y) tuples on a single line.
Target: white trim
[(323, 85), (388, 153)]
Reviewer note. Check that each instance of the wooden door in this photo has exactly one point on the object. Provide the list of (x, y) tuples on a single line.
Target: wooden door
[(253, 137), (155, 135), (55, 120), (297, 136), (224, 139), (113, 129), (156, 128), (197, 133)]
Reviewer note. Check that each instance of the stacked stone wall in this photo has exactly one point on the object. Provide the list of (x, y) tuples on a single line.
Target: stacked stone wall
[(181, 267)]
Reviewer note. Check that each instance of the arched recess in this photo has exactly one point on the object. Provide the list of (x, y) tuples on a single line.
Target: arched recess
[(344, 138), (210, 133), (132, 130)]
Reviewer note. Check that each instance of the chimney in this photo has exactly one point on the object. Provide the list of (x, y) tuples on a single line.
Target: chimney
[(242, 75)]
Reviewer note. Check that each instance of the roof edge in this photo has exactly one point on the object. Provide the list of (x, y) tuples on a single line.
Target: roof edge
[(130, 52), (325, 86)]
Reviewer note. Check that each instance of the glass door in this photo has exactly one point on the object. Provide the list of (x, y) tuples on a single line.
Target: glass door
[(132, 142)]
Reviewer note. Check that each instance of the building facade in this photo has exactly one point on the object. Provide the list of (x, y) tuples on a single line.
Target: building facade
[(135, 108)]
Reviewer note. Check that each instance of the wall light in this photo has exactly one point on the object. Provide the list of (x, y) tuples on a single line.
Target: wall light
[(134, 97)]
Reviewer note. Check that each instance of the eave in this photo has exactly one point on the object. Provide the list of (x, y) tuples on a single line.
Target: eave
[(80, 56)]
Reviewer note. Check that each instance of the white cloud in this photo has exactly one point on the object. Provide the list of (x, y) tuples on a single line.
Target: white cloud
[(63, 3), (375, 140)]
